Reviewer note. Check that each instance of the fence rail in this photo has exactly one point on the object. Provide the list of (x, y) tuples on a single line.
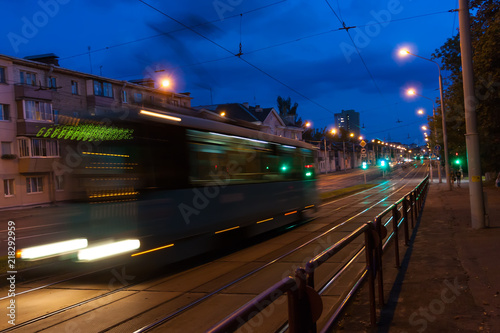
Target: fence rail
[(304, 302)]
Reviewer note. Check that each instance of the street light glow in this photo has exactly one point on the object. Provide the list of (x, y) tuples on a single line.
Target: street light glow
[(420, 111), (424, 128), (352, 135), (404, 52), (411, 92), (333, 131), (165, 83), (308, 124)]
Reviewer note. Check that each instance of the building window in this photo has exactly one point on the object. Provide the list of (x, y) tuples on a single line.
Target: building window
[(28, 78), (59, 181), (38, 147), (52, 83), (56, 116), (4, 112), (36, 110), (44, 148), (138, 97), (8, 187), (74, 87), (6, 148), (24, 147), (2, 74), (34, 184), (124, 96), (103, 89)]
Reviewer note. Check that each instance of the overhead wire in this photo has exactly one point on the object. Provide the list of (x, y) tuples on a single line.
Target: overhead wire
[(239, 57), (346, 28), (173, 31)]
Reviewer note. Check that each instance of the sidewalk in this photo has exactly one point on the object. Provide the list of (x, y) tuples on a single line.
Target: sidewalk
[(449, 280)]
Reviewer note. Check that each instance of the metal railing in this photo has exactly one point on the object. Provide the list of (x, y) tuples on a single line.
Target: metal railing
[(304, 301)]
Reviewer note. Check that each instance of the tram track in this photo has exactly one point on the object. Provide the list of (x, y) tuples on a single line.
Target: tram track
[(134, 289)]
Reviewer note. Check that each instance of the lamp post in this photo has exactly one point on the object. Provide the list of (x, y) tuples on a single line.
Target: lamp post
[(471, 136), (413, 92), (443, 116)]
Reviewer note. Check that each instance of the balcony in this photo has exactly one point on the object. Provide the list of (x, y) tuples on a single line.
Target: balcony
[(24, 91), (36, 164), (96, 101), (31, 128)]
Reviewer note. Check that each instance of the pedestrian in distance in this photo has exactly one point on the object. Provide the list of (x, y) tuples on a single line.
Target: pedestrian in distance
[(497, 181), (459, 176)]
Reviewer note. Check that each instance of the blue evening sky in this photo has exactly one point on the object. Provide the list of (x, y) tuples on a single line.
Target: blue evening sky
[(289, 48)]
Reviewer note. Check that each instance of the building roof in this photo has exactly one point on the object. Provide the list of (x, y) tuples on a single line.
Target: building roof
[(262, 114), (232, 110)]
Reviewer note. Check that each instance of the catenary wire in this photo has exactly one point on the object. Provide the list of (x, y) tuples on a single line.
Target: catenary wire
[(242, 59)]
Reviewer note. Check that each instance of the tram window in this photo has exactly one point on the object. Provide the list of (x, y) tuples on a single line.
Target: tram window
[(236, 160)]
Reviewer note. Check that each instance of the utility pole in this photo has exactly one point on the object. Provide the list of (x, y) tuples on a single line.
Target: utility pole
[(471, 135), (445, 135), (343, 145), (326, 164)]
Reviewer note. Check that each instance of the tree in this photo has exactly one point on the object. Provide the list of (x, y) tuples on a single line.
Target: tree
[(314, 134), (288, 112), (485, 29)]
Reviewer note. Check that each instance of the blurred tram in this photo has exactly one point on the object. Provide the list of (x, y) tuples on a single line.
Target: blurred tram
[(179, 185)]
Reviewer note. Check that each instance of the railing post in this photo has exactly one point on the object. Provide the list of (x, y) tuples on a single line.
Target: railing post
[(405, 221), (305, 322), (412, 208), (371, 271), (294, 310), (395, 220), (417, 199), (378, 261)]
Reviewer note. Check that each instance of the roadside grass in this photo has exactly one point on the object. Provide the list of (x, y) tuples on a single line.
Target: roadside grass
[(337, 194)]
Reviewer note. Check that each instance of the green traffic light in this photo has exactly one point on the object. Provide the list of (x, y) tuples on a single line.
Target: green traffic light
[(457, 162)]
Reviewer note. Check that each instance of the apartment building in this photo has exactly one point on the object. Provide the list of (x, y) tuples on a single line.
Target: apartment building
[(37, 97)]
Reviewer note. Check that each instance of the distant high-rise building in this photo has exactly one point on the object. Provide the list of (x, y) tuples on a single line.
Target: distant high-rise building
[(348, 119)]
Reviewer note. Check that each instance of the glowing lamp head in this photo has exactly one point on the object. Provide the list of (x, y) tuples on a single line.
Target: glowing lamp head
[(352, 135), (411, 92), (333, 131), (165, 83), (308, 124), (404, 52), (420, 111), (424, 128), (222, 114)]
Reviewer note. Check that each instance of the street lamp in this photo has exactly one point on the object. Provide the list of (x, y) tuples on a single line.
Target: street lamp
[(405, 52), (412, 92), (165, 83), (420, 111)]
